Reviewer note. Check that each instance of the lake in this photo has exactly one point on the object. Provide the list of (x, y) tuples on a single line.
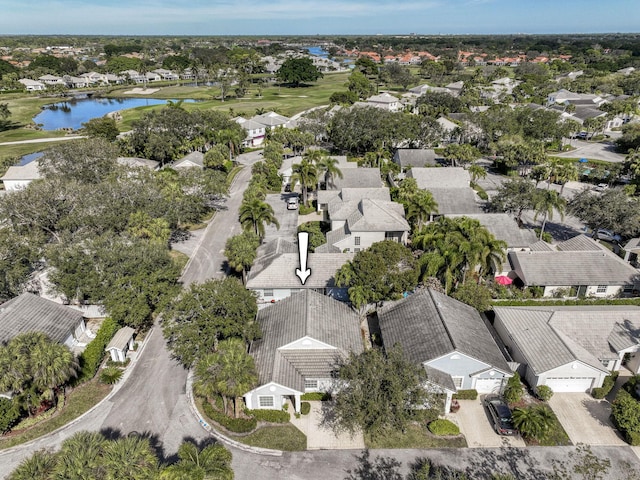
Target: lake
[(318, 51), (73, 113)]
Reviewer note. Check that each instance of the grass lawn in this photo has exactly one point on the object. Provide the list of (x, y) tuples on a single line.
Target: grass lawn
[(278, 437), (81, 399), (179, 258), (556, 436), (416, 436)]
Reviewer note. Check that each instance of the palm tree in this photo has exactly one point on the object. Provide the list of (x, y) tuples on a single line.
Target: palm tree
[(230, 372), (130, 457), (255, 213), (545, 202), (80, 457), (240, 251), (567, 172), (476, 172), (533, 422), (39, 466), (420, 206), (330, 167), (213, 461), (52, 365), (306, 174)]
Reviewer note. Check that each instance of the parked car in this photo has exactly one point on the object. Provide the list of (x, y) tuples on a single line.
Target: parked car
[(500, 415), (292, 203), (601, 187), (607, 236), (287, 188)]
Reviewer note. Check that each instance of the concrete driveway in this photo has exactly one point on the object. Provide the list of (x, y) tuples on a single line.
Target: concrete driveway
[(585, 419), (477, 427), (288, 219), (319, 436)]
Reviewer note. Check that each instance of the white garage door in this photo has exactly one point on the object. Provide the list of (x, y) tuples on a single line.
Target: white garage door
[(488, 385), (570, 384)]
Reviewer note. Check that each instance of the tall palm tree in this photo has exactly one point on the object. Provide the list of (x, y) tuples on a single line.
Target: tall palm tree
[(476, 172), (420, 206), (330, 168), (213, 461), (254, 213), (545, 202), (306, 174), (240, 251), (230, 372), (39, 466), (567, 172), (52, 365)]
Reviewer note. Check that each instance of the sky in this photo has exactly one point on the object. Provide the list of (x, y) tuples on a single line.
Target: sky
[(311, 17)]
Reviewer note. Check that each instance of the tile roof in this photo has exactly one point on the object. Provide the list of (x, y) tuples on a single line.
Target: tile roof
[(304, 314), (550, 337), (31, 313), (504, 227), (429, 324)]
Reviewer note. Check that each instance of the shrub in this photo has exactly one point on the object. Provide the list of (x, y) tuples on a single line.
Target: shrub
[(273, 416), (513, 392), (111, 375), (92, 356), (466, 394), (236, 425), (443, 427), (632, 438), (316, 396), (607, 385), (305, 408), (544, 393), (625, 411), (9, 414)]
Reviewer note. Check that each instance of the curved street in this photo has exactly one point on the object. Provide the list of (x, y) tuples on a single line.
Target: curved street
[(152, 399)]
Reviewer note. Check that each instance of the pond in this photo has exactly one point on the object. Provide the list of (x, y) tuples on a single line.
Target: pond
[(30, 157), (318, 51), (73, 113)]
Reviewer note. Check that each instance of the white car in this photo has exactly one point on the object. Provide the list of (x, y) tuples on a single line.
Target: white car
[(607, 236), (292, 203)]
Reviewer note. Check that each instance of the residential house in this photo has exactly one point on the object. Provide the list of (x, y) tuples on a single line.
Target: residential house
[(134, 162), (356, 226), (166, 74), (384, 101), (450, 187), (576, 267), (564, 96), (192, 160), (361, 177), (273, 275), (504, 227), (255, 132), (75, 82), (271, 120), (18, 177), (304, 337), (332, 201), (415, 157), (449, 339), (31, 313), (51, 80), (455, 88), (422, 89), (32, 85), (570, 349)]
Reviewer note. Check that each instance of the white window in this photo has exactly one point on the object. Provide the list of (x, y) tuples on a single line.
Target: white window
[(601, 289), (268, 292), (457, 381), (311, 384), (357, 240), (265, 401)]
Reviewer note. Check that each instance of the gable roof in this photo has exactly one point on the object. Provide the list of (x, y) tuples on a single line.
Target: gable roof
[(121, 339), (550, 337), (304, 314), (195, 158), (31, 313), (577, 261), (415, 157), (429, 324), (377, 216), (138, 162), (270, 119), (504, 227), (358, 178), (385, 98), (445, 177), (456, 201)]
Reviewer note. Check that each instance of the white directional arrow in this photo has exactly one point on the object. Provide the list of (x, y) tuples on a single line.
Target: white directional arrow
[(303, 243)]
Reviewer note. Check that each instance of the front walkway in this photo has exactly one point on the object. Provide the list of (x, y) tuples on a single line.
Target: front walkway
[(322, 437)]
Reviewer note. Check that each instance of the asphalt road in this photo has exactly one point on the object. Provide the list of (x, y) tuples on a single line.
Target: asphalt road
[(597, 151), (208, 260)]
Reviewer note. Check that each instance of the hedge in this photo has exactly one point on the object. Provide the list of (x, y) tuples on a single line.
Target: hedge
[(443, 427), (316, 396), (607, 385), (273, 416), (236, 425), (92, 356), (560, 303), (466, 395), (305, 408)]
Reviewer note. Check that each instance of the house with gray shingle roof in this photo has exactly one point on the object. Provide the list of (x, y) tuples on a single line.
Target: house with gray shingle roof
[(570, 349), (362, 177), (18, 177), (272, 276), (415, 157), (576, 267), (192, 160), (255, 132), (447, 336), (504, 227), (31, 313), (304, 337), (450, 187)]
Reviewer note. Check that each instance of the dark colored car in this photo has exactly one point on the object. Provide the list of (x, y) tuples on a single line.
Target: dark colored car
[(500, 415), (287, 187)]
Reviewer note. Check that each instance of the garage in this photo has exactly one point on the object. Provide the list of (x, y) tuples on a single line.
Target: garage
[(488, 385), (570, 384)]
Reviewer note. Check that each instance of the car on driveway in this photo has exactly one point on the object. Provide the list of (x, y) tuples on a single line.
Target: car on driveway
[(607, 236), (500, 415)]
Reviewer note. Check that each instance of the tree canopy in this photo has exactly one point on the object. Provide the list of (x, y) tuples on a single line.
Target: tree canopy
[(296, 71), (612, 209)]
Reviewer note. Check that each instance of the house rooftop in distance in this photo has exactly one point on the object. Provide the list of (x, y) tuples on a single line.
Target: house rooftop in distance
[(358, 178), (504, 227)]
